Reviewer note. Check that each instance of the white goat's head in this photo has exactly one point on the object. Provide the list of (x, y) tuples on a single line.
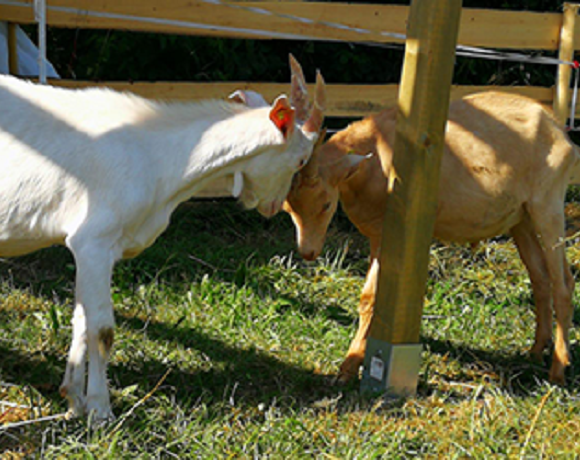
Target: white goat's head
[(266, 178)]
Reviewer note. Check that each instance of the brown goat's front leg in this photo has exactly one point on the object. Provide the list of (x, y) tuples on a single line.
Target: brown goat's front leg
[(349, 369)]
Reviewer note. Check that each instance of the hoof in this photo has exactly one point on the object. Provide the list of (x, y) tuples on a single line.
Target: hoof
[(343, 379), (349, 370), (536, 357), (101, 416), (76, 402), (99, 409), (537, 350), (557, 376)]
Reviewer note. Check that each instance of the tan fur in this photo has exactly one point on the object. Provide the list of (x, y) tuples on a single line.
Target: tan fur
[(505, 169), (106, 337)]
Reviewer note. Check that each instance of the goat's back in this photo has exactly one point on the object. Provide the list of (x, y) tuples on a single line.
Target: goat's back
[(55, 146), (502, 152)]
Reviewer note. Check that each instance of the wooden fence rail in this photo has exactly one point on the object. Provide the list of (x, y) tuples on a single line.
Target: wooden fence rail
[(484, 28), (342, 100)]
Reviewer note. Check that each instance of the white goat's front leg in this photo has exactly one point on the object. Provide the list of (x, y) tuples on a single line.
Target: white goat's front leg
[(94, 266), (73, 385)]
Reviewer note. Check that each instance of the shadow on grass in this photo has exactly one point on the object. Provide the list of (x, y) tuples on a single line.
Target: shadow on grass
[(514, 372), (302, 303), (44, 372), (256, 376), (249, 376), (224, 241)]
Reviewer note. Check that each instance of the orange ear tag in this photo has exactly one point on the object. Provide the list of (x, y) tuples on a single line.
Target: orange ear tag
[(283, 117)]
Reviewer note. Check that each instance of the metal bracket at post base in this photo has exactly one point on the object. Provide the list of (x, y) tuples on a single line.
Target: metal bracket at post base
[(390, 368)]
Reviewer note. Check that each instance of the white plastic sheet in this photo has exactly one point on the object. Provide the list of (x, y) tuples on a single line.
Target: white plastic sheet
[(27, 54)]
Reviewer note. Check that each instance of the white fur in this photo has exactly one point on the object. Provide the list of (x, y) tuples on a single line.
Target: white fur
[(249, 98), (101, 172)]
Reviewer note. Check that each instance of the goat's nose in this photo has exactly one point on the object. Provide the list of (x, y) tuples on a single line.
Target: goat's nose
[(310, 255)]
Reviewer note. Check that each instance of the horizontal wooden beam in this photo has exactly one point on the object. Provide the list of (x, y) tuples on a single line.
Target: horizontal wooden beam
[(343, 100), (479, 27)]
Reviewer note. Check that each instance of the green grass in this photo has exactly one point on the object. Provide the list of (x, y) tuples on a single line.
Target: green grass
[(227, 342)]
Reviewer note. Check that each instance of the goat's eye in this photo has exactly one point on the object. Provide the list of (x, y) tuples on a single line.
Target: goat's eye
[(302, 163), (326, 207)]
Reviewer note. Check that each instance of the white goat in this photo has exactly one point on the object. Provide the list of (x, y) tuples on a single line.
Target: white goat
[(101, 172)]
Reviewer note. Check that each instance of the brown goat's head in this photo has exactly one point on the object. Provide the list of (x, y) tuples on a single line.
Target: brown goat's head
[(313, 198), (311, 203)]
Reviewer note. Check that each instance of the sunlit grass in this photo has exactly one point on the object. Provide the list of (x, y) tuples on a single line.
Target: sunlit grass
[(227, 342)]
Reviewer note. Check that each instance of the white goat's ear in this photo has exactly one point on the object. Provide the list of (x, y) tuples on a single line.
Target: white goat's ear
[(249, 98), (283, 116), (238, 184), (237, 97)]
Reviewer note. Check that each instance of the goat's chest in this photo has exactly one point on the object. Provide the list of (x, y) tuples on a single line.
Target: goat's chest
[(142, 233)]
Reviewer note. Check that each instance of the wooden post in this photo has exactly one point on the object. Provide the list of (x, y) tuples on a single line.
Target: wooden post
[(566, 53), (12, 49), (392, 357)]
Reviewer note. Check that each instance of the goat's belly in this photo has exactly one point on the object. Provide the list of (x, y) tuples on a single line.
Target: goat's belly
[(22, 233), (132, 253), (20, 247), (470, 225)]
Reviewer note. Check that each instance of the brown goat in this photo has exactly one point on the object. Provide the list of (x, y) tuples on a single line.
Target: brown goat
[(505, 169)]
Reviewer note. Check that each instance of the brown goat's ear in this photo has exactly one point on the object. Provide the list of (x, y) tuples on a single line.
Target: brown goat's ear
[(283, 116), (310, 170), (347, 167), (321, 139)]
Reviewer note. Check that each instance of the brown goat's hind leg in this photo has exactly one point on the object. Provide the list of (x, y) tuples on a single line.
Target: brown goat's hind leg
[(349, 369), (548, 219), (532, 255)]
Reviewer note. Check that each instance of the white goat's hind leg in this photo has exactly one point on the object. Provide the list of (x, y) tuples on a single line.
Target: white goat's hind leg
[(549, 222), (532, 255), (73, 385), (94, 264)]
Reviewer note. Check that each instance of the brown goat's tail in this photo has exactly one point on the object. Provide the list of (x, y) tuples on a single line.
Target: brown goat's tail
[(572, 212), (575, 177), (572, 209)]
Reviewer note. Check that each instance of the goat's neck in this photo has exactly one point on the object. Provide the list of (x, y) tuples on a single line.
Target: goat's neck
[(361, 137), (193, 155)]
